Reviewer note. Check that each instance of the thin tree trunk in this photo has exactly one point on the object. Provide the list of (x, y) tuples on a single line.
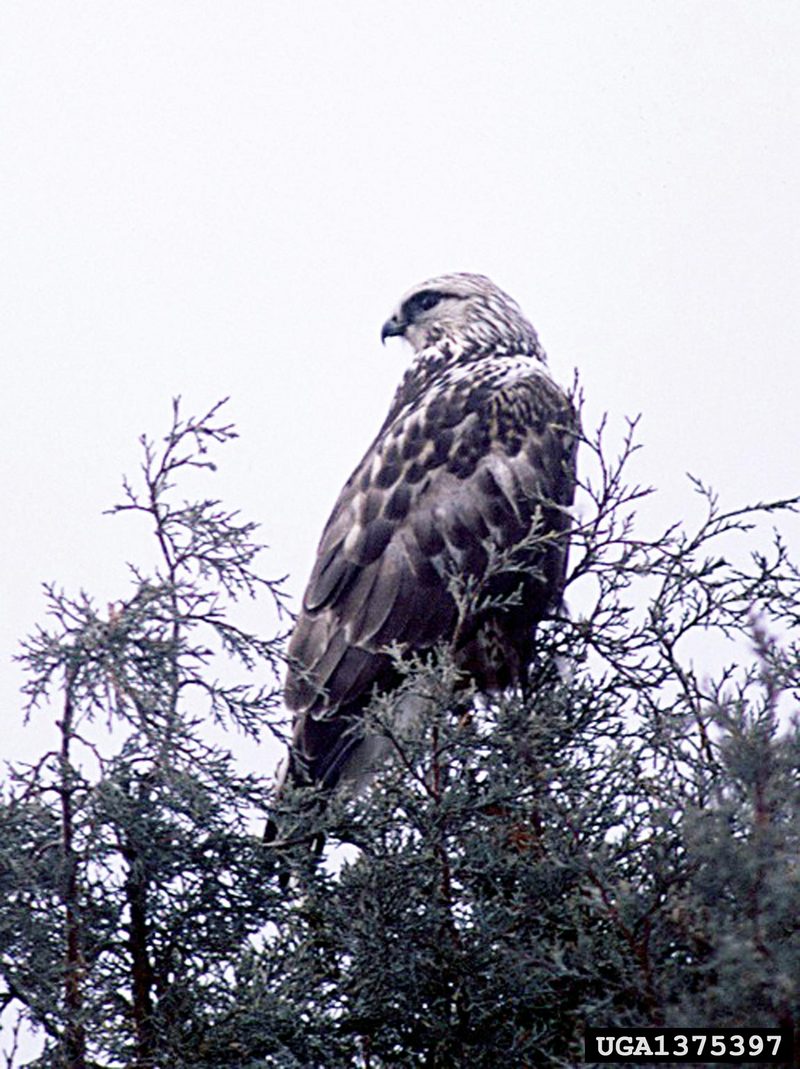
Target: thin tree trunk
[(74, 1045)]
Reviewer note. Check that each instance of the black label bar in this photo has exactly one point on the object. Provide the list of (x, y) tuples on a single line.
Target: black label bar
[(703, 1046)]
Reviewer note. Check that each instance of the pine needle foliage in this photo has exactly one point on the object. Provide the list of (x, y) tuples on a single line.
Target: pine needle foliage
[(618, 845)]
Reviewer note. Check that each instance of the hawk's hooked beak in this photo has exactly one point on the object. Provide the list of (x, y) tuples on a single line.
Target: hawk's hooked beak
[(394, 327)]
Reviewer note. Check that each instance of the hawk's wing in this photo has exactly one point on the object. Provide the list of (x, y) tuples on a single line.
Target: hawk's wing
[(467, 464)]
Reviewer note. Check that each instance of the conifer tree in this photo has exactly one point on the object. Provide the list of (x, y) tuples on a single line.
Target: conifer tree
[(131, 877), (617, 846)]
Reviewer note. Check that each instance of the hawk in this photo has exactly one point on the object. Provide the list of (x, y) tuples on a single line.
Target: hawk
[(476, 453)]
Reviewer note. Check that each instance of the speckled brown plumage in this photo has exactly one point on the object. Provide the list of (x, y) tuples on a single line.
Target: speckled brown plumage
[(478, 447)]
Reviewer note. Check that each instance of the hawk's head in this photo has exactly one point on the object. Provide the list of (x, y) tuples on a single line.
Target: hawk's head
[(464, 307)]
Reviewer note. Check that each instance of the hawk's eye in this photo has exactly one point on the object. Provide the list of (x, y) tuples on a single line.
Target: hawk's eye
[(421, 302)]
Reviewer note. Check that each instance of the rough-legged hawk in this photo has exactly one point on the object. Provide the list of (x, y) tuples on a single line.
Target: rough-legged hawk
[(476, 454)]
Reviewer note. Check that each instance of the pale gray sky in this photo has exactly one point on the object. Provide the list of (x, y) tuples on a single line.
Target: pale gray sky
[(209, 199), (212, 198)]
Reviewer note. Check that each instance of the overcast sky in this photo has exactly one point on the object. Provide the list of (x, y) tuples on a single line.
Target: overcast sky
[(206, 198)]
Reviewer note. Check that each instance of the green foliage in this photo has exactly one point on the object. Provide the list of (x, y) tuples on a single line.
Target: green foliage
[(617, 846), (130, 871)]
